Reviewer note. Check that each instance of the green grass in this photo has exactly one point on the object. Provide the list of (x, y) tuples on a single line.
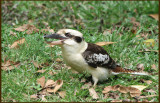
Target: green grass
[(23, 79)]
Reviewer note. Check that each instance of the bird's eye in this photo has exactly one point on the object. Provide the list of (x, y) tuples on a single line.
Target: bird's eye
[(68, 35), (78, 39)]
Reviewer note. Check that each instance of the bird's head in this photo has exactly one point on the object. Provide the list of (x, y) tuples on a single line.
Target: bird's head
[(68, 39)]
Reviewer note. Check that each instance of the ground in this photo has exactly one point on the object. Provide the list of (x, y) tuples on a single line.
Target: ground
[(129, 24)]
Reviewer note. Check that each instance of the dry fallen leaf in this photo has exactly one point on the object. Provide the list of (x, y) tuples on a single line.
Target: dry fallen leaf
[(50, 83), (155, 16), (86, 85), (13, 33), (148, 81), (9, 65), (104, 43), (37, 65), (140, 67), (154, 67), (123, 89), (30, 28), (59, 83), (62, 94), (140, 97), (116, 101), (108, 88), (21, 28), (107, 32), (52, 73), (133, 91), (134, 22), (140, 87), (41, 81), (93, 93), (35, 96), (47, 30), (41, 71), (59, 60), (17, 43)]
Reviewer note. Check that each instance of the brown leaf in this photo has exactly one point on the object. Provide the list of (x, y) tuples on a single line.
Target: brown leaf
[(17, 43), (116, 101), (140, 87), (9, 65), (86, 85), (47, 30), (59, 60), (123, 89), (140, 97), (52, 73), (133, 91), (30, 28), (21, 28), (107, 32), (154, 67), (113, 95), (41, 71), (35, 96), (108, 88), (50, 90), (104, 43), (93, 93), (155, 16), (50, 83), (148, 81), (134, 22), (140, 67), (41, 81), (37, 65), (59, 83), (13, 33), (62, 94)]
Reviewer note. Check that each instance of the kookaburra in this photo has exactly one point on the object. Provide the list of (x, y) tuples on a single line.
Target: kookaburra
[(82, 56)]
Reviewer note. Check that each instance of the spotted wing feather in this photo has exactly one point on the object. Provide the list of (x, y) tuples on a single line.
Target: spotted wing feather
[(96, 56)]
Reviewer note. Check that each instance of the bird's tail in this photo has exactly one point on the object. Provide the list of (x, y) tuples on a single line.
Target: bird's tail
[(119, 70)]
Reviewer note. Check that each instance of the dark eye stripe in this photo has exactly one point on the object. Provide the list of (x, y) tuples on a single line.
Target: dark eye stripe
[(68, 35), (78, 39)]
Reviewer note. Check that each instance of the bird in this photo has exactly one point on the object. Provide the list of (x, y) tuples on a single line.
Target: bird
[(82, 56)]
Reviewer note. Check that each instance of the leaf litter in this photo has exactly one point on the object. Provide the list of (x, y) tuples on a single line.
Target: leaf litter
[(9, 65), (132, 90), (93, 93), (48, 87), (17, 43), (30, 28)]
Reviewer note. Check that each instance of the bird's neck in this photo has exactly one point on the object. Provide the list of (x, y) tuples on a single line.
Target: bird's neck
[(69, 50)]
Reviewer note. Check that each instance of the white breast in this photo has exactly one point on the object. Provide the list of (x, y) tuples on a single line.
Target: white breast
[(76, 61)]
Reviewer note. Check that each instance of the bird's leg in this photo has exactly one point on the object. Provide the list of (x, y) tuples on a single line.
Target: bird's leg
[(95, 81)]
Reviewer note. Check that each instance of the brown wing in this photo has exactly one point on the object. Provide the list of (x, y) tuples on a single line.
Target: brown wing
[(96, 56)]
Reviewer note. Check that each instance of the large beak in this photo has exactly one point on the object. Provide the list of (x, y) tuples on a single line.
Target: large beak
[(55, 36)]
